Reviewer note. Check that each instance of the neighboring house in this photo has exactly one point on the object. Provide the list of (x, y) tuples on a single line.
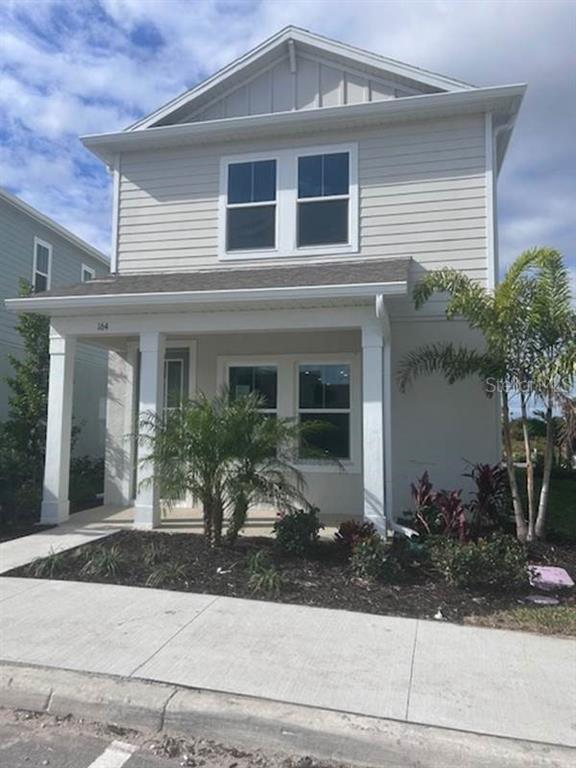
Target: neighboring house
[(268, 227), (36, 249)]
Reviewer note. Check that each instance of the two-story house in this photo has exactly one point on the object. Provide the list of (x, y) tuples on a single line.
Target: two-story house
[(38, 250), (268, 227)]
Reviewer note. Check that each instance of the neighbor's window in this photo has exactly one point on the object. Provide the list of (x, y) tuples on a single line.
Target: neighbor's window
[(262, 379), (42, 265), (323, 199), (251, 206), (87, 273), (324, 396)]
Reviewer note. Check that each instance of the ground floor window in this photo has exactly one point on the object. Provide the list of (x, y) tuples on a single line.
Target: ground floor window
[(324, 397), (261, 379)]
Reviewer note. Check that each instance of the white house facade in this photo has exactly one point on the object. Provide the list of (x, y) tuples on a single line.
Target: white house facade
[(38, 250), (268, 228)]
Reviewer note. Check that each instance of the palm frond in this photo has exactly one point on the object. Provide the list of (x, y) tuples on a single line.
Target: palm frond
[(454, 363)]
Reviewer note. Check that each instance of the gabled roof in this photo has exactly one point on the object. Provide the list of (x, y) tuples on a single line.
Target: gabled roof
[(286, 43), (54, 226)]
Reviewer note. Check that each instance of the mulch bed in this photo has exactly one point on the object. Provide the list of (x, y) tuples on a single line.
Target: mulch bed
[(324, 579)]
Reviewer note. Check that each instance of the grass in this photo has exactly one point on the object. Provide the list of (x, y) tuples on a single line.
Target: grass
[(545, 620), (562, 509)]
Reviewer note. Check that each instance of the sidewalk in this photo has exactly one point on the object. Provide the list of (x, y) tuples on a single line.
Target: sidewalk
[(81, 528), (485, 681)]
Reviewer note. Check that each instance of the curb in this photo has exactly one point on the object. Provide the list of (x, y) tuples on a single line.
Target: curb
[(252, 723)]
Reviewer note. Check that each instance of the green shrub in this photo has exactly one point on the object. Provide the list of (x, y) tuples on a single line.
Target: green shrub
[(263, 575), (165, 574), (373, 558), (86, 481), (297, 531), (497, 562)]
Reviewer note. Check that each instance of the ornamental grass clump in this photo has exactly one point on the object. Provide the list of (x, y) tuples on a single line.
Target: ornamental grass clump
[(264, 577)]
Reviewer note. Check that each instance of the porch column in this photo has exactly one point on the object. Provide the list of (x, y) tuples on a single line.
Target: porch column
[(372, 426), (55, 504), (147, 513)]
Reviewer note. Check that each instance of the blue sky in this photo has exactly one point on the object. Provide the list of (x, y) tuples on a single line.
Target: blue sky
[(84, 66)]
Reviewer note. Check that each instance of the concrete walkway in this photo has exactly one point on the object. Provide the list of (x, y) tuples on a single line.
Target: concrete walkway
[(507, 684), (81, 528), (98, 522)]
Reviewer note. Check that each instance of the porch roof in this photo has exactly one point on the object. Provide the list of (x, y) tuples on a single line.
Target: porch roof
[(361, 277)]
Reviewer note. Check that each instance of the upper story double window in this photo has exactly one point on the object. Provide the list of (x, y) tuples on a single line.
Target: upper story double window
[(290, 203)]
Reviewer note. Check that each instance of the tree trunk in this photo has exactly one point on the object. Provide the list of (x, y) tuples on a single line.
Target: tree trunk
[(545, 489), (521, 529), (529, 470), (237, 519)]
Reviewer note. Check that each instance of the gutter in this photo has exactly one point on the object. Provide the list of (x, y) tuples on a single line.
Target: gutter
[(48, 304), (505, 98)]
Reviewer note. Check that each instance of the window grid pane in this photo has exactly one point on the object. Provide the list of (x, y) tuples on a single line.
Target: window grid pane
[(42, 259), (262, 379), (324, 175), (252, 182), (322, 222), (251, 228), (40, 282)]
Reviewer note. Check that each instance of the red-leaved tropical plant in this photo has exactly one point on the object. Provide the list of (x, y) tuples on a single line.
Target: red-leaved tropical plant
[(352, 532), (491, 500), (423, 501), (452, 514)]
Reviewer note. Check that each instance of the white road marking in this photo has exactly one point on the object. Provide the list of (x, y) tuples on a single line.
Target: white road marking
[(118, 753)]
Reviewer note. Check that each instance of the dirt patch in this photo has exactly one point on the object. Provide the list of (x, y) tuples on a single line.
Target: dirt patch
[(183, 562), (192, 752)]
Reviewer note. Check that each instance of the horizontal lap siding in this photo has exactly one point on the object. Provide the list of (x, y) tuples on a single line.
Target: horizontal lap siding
[(422, 194)]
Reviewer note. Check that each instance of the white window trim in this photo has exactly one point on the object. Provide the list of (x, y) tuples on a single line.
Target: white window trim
[(38, 241), (288, 399), (327, 411), (286, 204), (86, 268)]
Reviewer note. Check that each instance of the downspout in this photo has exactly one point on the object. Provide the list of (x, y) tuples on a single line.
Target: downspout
[(382, 315)]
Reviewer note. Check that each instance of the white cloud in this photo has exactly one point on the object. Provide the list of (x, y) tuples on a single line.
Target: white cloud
[(84, 68)]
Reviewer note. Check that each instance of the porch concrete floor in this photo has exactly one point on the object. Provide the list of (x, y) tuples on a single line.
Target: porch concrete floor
[(99, 522)]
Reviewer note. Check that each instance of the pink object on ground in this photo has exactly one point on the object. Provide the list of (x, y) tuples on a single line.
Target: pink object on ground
[(549, 578)]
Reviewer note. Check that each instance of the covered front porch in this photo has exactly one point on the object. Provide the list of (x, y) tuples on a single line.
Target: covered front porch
[(156, 358)]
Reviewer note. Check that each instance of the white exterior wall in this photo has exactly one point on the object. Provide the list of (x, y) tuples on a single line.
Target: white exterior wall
[(434, 426), (422, 194)]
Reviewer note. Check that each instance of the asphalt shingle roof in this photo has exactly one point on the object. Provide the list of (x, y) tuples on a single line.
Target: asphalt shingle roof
[(233, 278)]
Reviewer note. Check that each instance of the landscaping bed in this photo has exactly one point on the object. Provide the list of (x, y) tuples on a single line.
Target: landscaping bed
[(323, 578)]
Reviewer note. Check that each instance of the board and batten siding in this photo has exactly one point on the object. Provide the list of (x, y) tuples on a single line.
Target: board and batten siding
[(422, 194)]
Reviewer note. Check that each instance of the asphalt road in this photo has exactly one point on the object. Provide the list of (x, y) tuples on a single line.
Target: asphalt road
[(25, 747), (29, 740)]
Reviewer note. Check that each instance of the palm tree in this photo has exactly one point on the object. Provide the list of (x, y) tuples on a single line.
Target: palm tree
[(528, 327), (227, 455)]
